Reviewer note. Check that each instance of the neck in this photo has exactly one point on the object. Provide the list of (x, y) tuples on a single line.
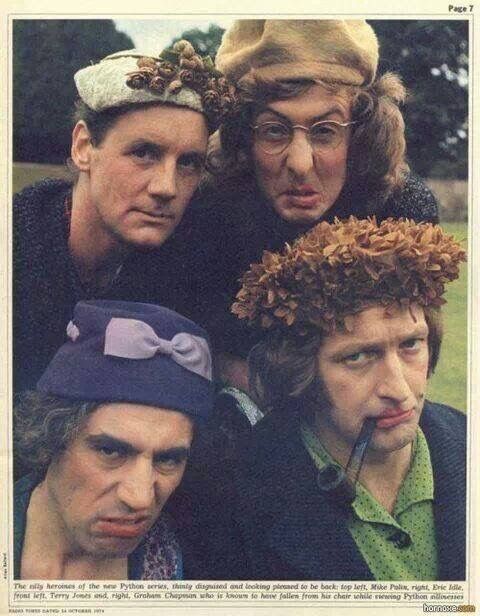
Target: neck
[(95, 250), (48, 552)]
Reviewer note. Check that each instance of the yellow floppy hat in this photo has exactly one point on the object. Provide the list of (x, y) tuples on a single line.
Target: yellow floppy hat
[(331, 50)]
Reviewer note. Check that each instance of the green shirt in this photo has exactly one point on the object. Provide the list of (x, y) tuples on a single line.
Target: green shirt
[(379, 534)]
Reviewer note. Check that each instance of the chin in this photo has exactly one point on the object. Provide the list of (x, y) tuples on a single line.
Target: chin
[(302, 216), (114, 548), (394, 442), (148, 242)]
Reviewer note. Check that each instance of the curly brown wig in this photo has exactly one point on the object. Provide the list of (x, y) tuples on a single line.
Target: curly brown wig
[(376, 155), (44, 425)]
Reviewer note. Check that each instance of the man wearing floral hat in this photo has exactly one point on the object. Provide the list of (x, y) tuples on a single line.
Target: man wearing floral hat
[(138, 150), (352, 474), (106, 436)]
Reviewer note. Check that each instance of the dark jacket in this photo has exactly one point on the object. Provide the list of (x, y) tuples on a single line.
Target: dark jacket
[(46, 285), (277, 525), (231, 227)]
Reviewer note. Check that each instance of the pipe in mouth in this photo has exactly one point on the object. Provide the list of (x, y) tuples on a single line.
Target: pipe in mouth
[(341, 483)]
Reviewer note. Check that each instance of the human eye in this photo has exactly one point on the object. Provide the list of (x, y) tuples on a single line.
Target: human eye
[(144, 152), (358, 359), (192, 163), (325, 132), (273, 131), (413, 345), (169, 463), (111, 454)]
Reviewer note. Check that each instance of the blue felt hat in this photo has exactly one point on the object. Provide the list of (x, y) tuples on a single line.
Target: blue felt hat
[(132, 352)]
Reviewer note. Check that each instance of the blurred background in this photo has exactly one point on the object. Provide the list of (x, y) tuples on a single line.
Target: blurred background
[(431, 57)]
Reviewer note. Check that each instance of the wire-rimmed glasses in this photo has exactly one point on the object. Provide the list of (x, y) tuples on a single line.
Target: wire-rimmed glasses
[(274, 137)]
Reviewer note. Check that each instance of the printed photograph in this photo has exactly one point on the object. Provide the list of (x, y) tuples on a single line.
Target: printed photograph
[(240, 296)]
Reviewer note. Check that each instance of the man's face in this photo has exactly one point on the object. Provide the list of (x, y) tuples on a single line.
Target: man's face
[(110, 484), (143, 174), (300, 183), (378, 369)]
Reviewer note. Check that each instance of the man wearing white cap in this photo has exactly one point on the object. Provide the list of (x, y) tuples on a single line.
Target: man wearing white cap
[(138, 149)]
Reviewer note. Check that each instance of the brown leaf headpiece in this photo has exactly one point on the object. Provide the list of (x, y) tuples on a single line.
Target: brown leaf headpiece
[(181, 67), (339, 268)]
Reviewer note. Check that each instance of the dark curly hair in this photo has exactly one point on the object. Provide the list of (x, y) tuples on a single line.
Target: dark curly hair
[(284, 370), (44, 425), (376, 163)]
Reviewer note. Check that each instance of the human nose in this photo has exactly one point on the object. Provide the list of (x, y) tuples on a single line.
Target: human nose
[(137, 488), (393, 383), (299, 159), (163, 182)]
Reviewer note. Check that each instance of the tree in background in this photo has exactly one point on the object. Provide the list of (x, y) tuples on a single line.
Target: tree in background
[(432, 58), (46, 54), (205, 43)]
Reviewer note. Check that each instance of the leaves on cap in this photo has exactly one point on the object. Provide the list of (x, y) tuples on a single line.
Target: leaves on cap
[(337, 269)]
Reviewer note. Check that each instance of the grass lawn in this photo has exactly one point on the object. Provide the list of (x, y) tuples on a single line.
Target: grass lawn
[(24, 174), (449, 383)]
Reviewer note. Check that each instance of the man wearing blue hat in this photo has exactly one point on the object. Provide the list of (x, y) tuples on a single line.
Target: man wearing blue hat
[(107, 434)]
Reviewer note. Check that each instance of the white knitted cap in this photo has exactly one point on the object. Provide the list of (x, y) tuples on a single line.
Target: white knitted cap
[(104, 85)]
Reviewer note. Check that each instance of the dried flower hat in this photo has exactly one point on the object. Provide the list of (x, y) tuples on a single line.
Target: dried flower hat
[(178, 76), (339, 268)]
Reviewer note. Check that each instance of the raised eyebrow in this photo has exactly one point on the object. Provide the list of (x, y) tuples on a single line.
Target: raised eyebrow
[(180, 453), (200, 155), (313, 120), (418, 333), (106, 439), (324, 117), (279, 115), (145, 143)]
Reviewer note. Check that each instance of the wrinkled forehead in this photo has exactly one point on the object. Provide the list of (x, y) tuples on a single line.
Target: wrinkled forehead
[(143, 427), (378, 324), (309, 99)]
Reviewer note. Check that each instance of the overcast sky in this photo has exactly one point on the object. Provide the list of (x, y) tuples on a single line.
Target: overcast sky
[(153, 35)]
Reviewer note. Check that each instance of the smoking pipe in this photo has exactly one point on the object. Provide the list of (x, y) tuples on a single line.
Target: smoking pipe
[(341, 483)]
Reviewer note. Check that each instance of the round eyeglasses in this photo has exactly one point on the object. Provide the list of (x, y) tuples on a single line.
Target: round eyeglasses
[(275, 137)]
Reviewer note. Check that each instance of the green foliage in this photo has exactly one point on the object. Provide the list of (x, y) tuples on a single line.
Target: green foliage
[(431, 57), (46, 54), (205, 43)]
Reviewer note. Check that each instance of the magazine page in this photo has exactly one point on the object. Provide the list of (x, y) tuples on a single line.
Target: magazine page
[(312, 447)]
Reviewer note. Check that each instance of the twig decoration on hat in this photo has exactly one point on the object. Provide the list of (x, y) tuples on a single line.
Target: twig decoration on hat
[(182, 67), (339, 268)]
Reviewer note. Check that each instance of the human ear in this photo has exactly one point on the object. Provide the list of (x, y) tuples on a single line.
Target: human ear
[(82, 146)]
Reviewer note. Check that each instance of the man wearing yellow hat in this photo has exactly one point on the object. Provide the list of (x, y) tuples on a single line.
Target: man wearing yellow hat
[(318, 133)]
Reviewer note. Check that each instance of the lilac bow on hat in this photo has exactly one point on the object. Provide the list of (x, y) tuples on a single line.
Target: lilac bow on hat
[(134, 339)]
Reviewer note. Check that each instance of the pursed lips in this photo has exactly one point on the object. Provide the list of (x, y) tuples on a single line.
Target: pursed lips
[(157, 214), (304, 196), (301, 191), (392, 417), (127, 526)]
